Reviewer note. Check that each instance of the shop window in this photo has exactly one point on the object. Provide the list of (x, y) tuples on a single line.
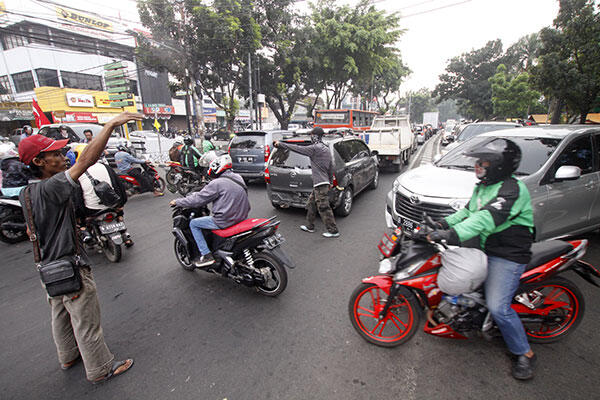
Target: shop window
[(5, 85), (133, 87), (47, 77), (23, 81), (63, 40), (12, 41), (75, 80), (39, 34)]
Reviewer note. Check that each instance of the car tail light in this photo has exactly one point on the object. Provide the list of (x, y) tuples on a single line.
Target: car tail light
[(267, 152), (267, 175), (335, 182)]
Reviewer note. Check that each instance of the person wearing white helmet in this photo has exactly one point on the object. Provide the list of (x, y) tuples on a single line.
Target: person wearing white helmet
[(229, 197)]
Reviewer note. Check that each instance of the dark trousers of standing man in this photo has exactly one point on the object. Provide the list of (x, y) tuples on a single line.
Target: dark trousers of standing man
[(319, 201), (142, 178)]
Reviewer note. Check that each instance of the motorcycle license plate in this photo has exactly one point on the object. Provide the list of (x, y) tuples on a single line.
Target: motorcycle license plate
[(111, 227), (273, 241)]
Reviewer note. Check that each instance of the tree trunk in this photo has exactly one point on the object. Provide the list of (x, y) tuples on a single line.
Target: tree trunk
[(556, 111)]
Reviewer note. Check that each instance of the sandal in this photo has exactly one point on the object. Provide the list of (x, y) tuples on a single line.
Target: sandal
[(71, 363), (113, 371)]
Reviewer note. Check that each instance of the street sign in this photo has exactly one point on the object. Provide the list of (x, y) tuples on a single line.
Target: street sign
[(114, 74), (115, 65), (118, 89), (121, 103), (116, 83), (121, 96)]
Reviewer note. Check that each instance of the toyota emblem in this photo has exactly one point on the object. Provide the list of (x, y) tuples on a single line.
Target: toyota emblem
[(414, 199), (293, 174)]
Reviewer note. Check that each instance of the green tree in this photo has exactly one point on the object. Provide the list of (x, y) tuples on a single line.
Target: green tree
[(522, 55), (353, 45), (418, 102), (569, 62), (512, 95), (386, 84), (467, 80)]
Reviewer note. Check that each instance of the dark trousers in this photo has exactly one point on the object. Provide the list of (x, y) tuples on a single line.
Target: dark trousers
[(319, 201), (143, 179)]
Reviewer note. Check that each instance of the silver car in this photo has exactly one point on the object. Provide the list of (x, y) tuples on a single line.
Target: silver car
[(560, 166)]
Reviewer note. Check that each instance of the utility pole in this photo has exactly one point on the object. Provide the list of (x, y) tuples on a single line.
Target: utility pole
[(250, 89)]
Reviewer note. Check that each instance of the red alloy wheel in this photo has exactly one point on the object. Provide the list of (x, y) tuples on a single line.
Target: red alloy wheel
[(559, 314), (395, 328)]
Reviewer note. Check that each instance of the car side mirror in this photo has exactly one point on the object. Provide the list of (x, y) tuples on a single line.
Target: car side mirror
[(374, 153), (567, 173)]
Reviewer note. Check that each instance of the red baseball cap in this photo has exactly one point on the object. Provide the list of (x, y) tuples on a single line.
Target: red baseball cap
[(31, 146)]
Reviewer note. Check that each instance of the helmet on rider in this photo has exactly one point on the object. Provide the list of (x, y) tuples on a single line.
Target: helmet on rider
[(188, 141), (496, 159), (123, 148), (219, 165), (316, 134)]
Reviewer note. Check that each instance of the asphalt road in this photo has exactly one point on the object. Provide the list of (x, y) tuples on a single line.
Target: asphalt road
[(197, 336)]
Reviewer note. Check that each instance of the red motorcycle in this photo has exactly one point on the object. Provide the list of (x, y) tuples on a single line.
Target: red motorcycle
[(386, 309), (173, 175), (132, 186)]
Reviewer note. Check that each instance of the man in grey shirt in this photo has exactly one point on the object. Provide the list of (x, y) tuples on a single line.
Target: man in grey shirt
[(321, 165), (229, 196)]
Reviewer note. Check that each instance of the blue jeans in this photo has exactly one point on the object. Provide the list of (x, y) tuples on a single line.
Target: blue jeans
[(500, 286), (196, 225)]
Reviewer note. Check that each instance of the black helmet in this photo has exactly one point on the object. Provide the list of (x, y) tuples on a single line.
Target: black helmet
[(503, 155), (188, 141), (123, 148)]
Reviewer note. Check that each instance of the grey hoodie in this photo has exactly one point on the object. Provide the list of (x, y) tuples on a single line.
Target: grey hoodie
[(230, 200)]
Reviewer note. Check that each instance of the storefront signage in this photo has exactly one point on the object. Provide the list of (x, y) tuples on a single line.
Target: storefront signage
[(102, 101), (80, 100), (66, 14), (71, 116), (158, 109)]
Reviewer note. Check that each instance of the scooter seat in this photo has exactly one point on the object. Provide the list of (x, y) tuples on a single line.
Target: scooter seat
[(243, 226), (542, 252)]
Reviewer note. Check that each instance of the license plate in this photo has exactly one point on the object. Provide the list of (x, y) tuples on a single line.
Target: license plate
[(245, 159), (111, 227), (273, 241), (408, 224)]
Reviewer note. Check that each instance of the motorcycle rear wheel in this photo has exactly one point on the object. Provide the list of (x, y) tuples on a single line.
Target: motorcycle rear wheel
[(170, 176), (112, 251), (567, 306), (182, 257), (398, 326), (159, 184), (12, 236), (278, 283)]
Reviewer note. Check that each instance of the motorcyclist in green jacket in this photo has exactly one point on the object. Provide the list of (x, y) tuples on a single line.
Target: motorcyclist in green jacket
[(500, 215)]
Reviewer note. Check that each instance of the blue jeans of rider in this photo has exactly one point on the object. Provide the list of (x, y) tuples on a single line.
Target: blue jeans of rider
[(196, 226), (500, 286)]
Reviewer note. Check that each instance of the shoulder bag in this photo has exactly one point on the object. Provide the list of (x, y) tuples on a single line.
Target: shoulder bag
[(104, 191), (59, 276)]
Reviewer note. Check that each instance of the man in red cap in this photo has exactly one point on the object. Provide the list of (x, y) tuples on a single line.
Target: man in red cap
[(75, 316)]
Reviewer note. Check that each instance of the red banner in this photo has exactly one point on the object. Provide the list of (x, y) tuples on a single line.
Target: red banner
[(38, 114)]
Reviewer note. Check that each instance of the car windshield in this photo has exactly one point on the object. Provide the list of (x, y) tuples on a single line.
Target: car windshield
[(284, 158), (247, 142), (477, 129), (536, 152)]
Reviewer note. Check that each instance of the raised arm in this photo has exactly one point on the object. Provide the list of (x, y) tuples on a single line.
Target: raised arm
[(95, 148)]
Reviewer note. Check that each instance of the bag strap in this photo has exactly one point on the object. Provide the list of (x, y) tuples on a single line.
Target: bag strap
[(33, 236), (236, 182), (92, 179)]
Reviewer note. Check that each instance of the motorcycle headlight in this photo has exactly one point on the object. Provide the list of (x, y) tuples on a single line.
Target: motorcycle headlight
[(385, 266), (459, 204)]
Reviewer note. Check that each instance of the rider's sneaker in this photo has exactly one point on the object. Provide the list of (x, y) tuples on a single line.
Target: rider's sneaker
[(204, 261), (331, 234), (523, 366), (307, 228)]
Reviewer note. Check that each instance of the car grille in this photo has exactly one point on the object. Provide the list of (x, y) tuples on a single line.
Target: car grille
[(405, 208)]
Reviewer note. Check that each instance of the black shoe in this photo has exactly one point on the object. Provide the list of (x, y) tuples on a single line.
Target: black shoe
[(523, 366), (204, 261)]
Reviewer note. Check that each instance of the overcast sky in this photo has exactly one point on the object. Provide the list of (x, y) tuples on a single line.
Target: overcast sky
[(436, 30)]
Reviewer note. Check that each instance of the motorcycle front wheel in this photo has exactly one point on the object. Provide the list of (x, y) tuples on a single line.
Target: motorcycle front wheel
[(112, 251), (182, 255), (278, 281), (559, 313), (398, 326), (12, 235)]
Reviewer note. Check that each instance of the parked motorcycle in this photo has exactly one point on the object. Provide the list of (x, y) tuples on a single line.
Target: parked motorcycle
[(108, 232), (249, 253), (386, 309), (132, 186), (12, 220)]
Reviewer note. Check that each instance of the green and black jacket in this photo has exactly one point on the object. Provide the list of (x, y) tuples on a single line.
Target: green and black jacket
[(501, 215)]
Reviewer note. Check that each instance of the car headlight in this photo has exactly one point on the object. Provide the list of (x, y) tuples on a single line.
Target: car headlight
[(385, 266), (459, 204), (396, 185)]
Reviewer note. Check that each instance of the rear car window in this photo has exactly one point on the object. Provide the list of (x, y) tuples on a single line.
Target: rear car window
[(474, 130), (284, 158), (248, 142)]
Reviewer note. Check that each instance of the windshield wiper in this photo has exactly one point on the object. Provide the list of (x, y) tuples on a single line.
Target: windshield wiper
[(461, 167)]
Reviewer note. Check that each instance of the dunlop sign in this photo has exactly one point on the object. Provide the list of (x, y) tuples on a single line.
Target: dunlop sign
[(73, 16)]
